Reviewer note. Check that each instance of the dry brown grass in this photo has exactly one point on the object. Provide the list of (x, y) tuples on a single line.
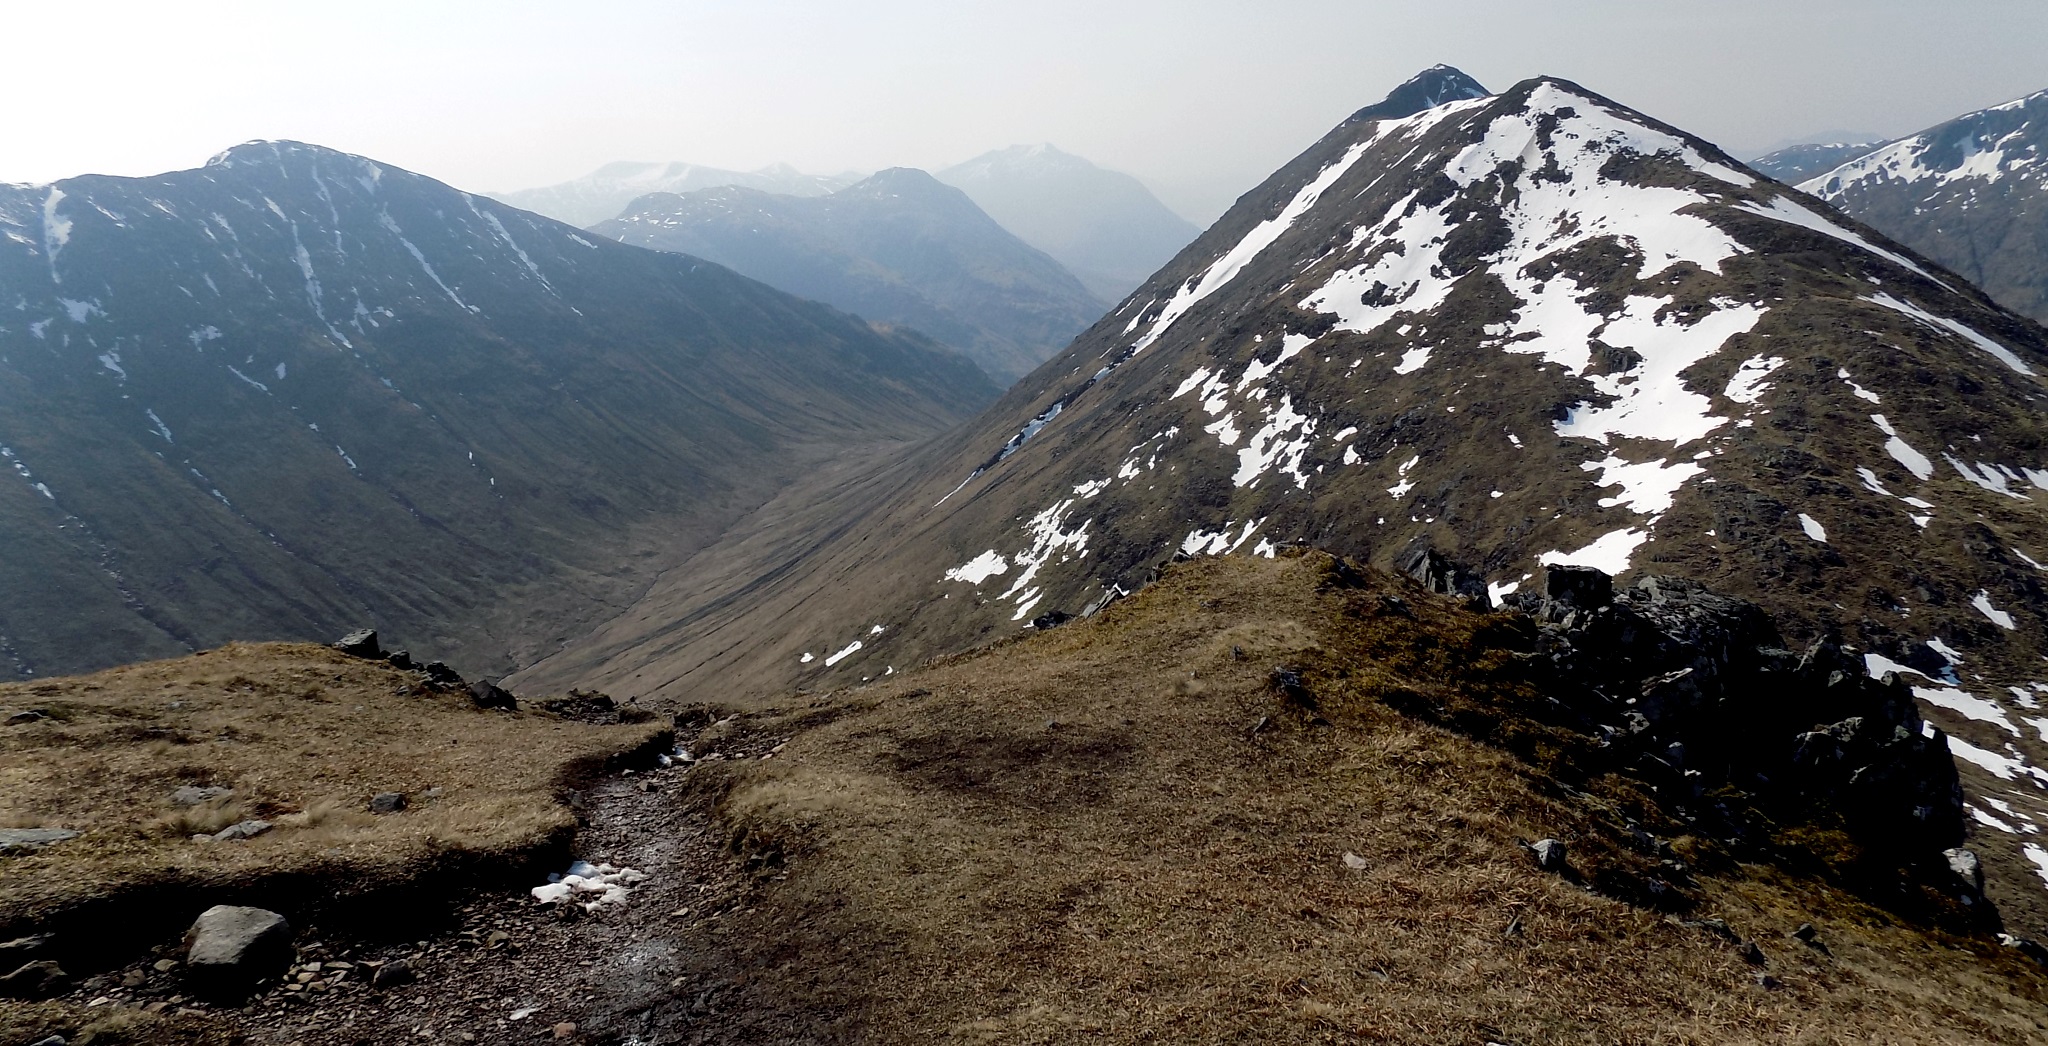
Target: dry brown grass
[(1084, 835), (304, 736)]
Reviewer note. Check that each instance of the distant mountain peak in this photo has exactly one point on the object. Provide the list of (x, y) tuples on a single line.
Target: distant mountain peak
[(1427, 89)]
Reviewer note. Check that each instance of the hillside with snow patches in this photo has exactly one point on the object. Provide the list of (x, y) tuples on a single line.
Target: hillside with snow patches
[(1521, 329), (1971, 193), (297, 391)]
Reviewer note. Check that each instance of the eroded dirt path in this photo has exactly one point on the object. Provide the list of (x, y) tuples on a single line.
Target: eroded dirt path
[(653, 969)]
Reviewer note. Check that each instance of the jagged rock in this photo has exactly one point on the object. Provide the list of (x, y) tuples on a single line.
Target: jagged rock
[(2026, 946), (1697, 692), (1583, 587), (199, 795), (1967, 868), (32, 715), (440, 674), (387, 802), (28, 840), (41, 979), (1051, 619), (487, 694), (402, 660), (1438, 574), (23, 950), (361, 643), (1751, 954), (1550, 855), (249, 829), (393, 974), (230, 950)]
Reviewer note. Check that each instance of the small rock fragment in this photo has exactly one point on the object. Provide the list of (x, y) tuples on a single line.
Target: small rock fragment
[(29, 716), (565, 1030), (249, 829), (23, 949), (1355, 862), (387, 802), (1767, 982), (199, 795), (1550, 854), (1751, 954), (392, 974), (29, 840)]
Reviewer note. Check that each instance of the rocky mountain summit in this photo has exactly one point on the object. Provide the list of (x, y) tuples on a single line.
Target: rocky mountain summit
[(1524, 330), (897, 248), (1971, 193), (295, 390), (605, 192), (1103, 225)]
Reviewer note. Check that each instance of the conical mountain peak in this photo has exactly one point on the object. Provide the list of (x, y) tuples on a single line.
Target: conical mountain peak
[(1426, 90)]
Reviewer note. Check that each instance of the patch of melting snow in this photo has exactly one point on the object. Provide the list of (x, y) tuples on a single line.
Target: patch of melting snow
[(1219, 542), (2029, 560), (1400, 489), (1497, 591), (843, 653), (1982, 601), (1813, 528), (1414, 359), (1610, 552), (1967, 705), (161, 428), (250, 380), (2004, 767), (1783, 209), (1860, 391), (588, 886), (807, 658), (1948, 653), (1748, 384), (1649, 488), (1985, 475), (980, 568), (2040, 858), (1964, 331), (1920, 465)]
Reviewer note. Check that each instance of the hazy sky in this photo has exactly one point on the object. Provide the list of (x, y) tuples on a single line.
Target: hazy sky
[(1200, 98)]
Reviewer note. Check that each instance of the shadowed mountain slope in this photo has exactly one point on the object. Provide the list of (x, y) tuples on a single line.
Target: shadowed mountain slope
[(296, 390), (1104, 226), (897, 248), (1971, 193)]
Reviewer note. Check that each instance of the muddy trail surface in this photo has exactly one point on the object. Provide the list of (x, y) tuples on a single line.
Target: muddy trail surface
[(656, 965)]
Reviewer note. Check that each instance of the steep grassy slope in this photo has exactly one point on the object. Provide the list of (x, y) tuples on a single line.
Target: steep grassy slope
[(1121, 831)]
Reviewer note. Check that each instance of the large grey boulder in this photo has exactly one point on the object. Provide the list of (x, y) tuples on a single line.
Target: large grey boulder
[(361, 643), (230, 950)]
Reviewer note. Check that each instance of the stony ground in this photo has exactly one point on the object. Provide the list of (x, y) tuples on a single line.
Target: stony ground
[(510, 969)]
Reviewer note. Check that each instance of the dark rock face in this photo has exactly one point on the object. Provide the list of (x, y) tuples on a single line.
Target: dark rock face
[(40, 979), (361, 643), (387, 802), (1696, 692), (229, 950), (487, 694)]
